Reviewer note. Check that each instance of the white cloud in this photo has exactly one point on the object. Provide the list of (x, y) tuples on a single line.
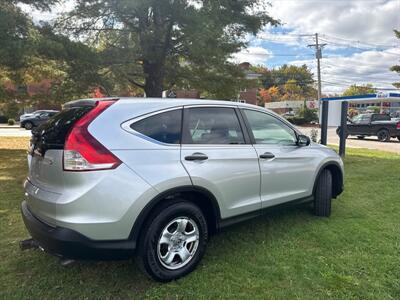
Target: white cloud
[(370, 21), (253, 55), (361, 68)]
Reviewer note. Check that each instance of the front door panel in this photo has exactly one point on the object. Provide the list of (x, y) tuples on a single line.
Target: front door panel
[(287, 176), (286, 169)]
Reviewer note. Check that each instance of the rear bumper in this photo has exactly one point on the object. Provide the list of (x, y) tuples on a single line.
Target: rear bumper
[(68, 243)]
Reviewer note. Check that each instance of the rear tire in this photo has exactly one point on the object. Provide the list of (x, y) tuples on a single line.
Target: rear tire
[(323, 194), (169, 232), (383, 135)]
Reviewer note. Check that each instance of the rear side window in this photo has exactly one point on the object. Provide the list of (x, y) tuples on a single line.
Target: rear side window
[(381, 117), (163, 127), (212, 125)]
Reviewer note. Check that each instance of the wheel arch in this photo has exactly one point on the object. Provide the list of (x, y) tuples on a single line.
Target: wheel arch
[(383, 128), (195, 194), (337, 177)]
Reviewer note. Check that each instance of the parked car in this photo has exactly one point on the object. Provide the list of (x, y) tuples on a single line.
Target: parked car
[(154, 178), (372, 124), (28, 115), (37, 118)]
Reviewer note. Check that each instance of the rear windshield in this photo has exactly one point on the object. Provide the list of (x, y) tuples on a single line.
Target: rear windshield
[(52, 134)]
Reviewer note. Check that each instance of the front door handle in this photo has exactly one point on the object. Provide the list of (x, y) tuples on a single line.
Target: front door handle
[(196, 156), (267, 155)]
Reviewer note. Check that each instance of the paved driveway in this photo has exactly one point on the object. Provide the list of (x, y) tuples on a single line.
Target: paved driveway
[(353, 142)]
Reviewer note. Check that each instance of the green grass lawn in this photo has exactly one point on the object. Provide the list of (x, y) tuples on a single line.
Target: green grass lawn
[(288, 254)]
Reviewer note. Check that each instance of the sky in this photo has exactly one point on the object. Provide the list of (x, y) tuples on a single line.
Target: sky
[(360, 43)]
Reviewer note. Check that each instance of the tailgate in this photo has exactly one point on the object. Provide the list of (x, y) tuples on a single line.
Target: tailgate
[(46, 171), (45, 156)]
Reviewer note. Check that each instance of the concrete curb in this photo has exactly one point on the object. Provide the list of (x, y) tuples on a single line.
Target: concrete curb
[(9, 126)]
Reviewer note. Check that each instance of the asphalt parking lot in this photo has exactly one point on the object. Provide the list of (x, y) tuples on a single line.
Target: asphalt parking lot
[(333, 139), (353, 142)]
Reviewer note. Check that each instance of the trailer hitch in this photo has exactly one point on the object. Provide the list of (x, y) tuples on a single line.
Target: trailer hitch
[(29, 244)]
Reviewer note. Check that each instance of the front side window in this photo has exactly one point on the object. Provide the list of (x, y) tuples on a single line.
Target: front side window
[(267, 129), (212, 125), (163, 127)]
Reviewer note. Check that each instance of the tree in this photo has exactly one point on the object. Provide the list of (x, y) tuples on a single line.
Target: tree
[(157, 44), (274, 92), (292, 82), (396, 68), (354, 90), (31, 54), (16, 36), (264, 97)]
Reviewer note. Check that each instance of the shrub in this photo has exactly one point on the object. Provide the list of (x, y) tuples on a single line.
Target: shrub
[(297, 120), (11, 122), (309, 115), (3, 119)]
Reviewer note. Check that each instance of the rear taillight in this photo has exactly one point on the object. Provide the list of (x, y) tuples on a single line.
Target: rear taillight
[(82, 152), (398, 126)]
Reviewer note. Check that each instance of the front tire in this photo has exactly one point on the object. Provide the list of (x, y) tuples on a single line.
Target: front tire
[(323, 194), (28, 125), (174, 241)]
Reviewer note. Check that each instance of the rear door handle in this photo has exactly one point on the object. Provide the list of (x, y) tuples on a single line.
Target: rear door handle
[(267, 155), (196, 156)]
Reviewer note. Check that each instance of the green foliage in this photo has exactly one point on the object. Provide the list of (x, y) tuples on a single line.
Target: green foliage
[(31, 54), (293, 82), (157, 44), (11, 122), (355, 90), (296, 120), (305, 115), (374, 109), (309, 115), (11, 109)]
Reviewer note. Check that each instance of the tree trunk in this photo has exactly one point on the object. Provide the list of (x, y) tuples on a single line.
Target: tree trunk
[(153, 85)]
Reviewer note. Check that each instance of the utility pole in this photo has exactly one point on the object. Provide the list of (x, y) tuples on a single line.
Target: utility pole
[(324, 105)]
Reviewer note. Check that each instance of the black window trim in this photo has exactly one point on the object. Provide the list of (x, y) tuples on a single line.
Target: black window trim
[(127, 125), (250, 132), (243, 128)]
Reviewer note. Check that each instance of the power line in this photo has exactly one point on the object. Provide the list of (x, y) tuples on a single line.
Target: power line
[(359, 42), (359, 48)]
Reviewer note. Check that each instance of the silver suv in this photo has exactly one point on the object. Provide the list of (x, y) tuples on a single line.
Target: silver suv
[(154, 177)]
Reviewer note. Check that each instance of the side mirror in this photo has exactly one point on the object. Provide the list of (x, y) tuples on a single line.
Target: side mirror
[(303, 140)]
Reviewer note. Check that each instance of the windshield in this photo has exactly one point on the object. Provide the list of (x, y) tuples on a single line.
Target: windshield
[(357, 118)]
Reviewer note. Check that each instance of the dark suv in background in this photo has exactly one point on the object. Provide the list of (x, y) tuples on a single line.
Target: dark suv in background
[(37, 119)]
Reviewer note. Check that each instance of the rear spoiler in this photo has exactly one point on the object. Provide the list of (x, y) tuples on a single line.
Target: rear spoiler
[(84, 102)]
